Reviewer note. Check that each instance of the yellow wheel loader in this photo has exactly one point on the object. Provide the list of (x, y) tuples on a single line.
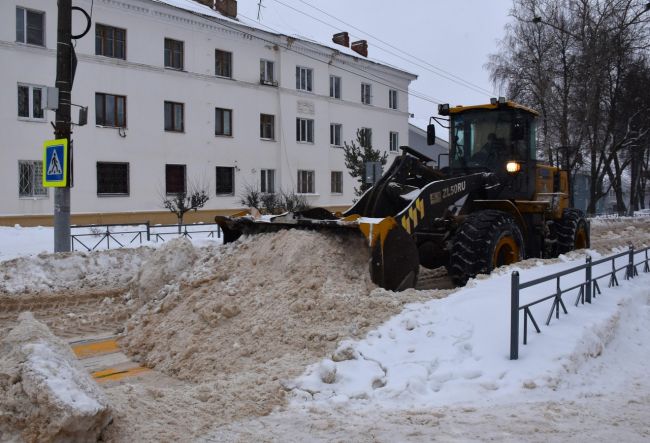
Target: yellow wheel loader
[(494, 205)]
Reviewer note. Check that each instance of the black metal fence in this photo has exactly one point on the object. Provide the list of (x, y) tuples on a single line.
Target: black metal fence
[(585, 291), (118, 235)]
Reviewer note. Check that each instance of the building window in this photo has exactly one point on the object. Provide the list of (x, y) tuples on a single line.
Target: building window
[(306, 182), (30, 27), (174, 179), (30, 102), (304, 79), (30, 179), (225, 180), (267, 126), (110, 110), (305, 130), (112, 178), (337, 182), (394, 141), (335, 134), (223, 121), (267, 181), (366, 93), (365, 137), (392, 99), (267, 76), (173, 54), (222, 63), (335, 86), (174, 117), (110, 41)]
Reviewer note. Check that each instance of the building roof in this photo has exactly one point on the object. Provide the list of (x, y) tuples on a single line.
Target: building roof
[(209, 13)]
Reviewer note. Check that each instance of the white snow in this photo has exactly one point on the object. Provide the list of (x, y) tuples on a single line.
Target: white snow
[(18, 241), (456, 350), (60, 377)]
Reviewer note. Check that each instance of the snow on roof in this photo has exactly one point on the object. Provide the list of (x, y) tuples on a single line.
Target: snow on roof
[(196, 8)]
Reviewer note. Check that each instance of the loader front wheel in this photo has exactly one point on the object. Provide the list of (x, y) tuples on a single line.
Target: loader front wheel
[(485, 241), (572, 231)]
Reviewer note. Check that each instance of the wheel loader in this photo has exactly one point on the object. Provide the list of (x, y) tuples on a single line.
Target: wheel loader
[(495, 203)]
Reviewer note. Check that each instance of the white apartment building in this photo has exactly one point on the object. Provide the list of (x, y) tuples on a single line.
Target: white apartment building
[(180, 95)]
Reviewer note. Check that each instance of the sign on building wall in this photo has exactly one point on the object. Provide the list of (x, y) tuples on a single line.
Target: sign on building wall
[(55, 163)]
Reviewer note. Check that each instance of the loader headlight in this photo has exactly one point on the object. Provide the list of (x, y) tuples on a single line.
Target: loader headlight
[(513, 167)]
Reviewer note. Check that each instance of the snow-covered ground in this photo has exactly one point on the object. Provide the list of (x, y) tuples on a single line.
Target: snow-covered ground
[(435, 368)]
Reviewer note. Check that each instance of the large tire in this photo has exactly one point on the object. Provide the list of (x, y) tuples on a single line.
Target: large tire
[(486, 240), (572, 231)]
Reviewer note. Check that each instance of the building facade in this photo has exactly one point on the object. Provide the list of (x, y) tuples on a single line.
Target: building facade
[(180, 96)]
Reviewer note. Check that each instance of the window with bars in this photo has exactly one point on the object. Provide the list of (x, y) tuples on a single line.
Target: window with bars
[(110, 110), (30, 102), (365, 137), (267, 72), (30, 26), (30, 179), (335, 134), (267, 127), (110, 41), (335, 86), (223, 121), (394, 141), (305, 130), (366, 93), (392, 99), (304, 78), (225, 180), (174, 179), (173, 54), (337, 182), (267, 181), (222, 63), (306, 182), (174, 117), (112, 178)]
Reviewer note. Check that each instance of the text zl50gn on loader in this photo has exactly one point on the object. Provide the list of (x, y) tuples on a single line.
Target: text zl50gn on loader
[(494, 205)]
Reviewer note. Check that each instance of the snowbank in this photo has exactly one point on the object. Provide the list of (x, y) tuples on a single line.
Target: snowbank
[(45, 395), (453, 350)]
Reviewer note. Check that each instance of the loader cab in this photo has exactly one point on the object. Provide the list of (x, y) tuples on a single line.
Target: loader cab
[(499, 137)]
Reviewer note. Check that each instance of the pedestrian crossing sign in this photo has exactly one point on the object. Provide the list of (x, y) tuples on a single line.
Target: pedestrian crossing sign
[(55, 163)]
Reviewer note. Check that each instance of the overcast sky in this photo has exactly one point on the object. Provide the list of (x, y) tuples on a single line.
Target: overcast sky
[(455, 36)]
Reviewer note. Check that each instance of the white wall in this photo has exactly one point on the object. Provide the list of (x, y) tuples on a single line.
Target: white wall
[(146, 84)]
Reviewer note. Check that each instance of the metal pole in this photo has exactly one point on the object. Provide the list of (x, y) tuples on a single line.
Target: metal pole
[(62, 125), (588, 278), (514, 316), (630, 263)]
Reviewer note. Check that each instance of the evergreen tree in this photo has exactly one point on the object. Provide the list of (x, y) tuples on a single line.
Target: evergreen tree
[(357, 154)]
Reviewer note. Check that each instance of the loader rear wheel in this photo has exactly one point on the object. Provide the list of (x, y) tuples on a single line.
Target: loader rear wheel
[(486, 240), (572, 231)]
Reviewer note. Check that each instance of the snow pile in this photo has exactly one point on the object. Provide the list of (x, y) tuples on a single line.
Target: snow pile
[(254, 312), (45, 395), (71, 270), (165, 264), (457, 349)]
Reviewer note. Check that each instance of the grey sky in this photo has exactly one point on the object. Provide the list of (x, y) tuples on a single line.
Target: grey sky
[(456, 36)]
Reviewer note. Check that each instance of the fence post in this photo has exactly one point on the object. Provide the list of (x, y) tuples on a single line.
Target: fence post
[(630, 264), (588, 278), (148, 231), (514, 316), (108, 238)]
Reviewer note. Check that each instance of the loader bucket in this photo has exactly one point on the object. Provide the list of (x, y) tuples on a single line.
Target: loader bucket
[(394, 260)]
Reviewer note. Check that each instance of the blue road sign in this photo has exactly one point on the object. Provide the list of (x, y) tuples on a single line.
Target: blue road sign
[(55, 163)]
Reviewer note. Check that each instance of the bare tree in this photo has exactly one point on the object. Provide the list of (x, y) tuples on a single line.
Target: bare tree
[(180, 203), (575, 61)]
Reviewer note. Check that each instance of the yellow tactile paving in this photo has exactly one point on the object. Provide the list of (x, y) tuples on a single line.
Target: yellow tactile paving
[(96, 348), (113, 374), (92, 349)]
